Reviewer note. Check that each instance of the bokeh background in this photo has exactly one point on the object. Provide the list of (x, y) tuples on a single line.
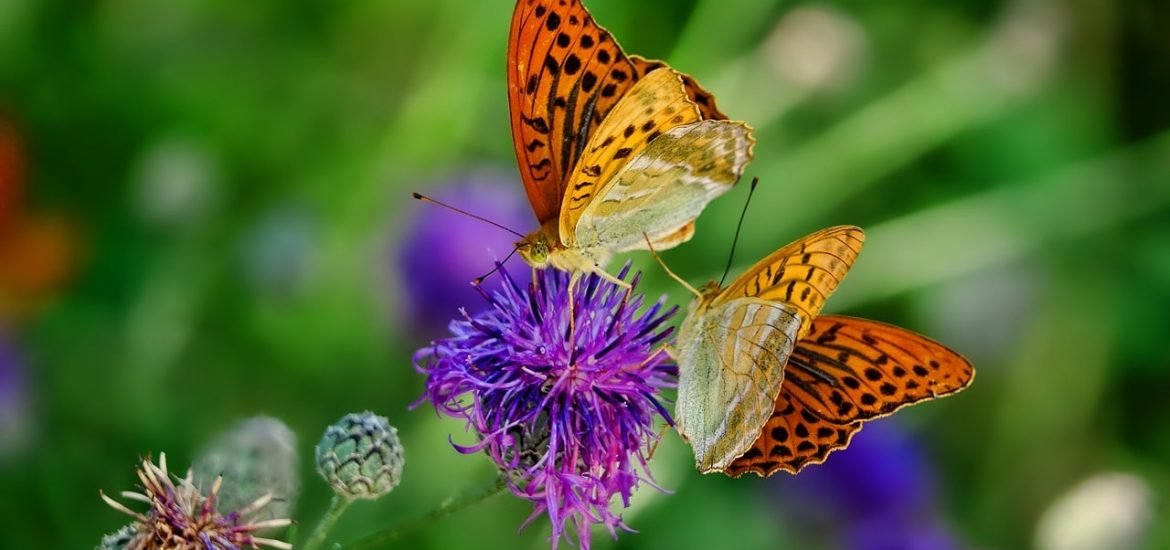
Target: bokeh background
[(205, 215)]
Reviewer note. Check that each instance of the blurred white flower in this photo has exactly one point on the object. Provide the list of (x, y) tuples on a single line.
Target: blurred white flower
[(1109, 510), (1024, 48), (816, 48), (176, 184)]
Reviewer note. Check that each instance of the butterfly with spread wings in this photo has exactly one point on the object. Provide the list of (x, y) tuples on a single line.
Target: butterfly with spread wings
[(767, 384), (612, 148)]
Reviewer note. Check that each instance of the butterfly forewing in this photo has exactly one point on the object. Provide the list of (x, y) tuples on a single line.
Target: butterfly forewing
[(803, 273), (797, 279), (850, 369), (731, 365)]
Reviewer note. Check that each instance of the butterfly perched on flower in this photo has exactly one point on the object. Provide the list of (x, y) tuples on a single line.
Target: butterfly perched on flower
[(767, 384), (610, 147)]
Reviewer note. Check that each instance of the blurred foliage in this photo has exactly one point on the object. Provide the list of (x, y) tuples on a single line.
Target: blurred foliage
[(232, 176)]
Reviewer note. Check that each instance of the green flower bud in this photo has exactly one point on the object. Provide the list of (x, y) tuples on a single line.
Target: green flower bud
[(360, 456)]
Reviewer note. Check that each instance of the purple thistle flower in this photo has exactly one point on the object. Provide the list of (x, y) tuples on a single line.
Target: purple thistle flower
[(442, 251), (567, 414)]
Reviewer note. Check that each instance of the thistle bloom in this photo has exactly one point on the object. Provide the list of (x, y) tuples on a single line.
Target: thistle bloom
[(182, 518), (565, 410)]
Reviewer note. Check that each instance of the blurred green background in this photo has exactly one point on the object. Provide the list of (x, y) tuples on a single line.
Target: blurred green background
[(214, 194)]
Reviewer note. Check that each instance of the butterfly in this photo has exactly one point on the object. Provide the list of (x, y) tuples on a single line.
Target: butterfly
[(767, 384), (610, 147)]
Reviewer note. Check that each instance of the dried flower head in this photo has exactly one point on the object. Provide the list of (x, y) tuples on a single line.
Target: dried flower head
[(181, 517), (565, 409)]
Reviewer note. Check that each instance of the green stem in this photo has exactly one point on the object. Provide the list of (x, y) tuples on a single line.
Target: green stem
[(336, 508), (445, 509)]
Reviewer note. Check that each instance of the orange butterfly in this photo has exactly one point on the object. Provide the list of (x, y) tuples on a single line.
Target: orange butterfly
[(610, 147), (766, 383)]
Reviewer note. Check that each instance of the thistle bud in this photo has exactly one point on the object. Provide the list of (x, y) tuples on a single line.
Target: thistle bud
[(360, 456), (255, 458), (118, 540)]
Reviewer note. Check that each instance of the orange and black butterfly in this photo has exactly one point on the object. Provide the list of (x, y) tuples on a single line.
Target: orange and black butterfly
[(614, 150), (767, 383)]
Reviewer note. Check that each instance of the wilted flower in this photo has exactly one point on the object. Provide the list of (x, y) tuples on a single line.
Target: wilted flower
[(565, 409), (442, 251), (256, 458), (120, 539), (181, 517), (360, 456)]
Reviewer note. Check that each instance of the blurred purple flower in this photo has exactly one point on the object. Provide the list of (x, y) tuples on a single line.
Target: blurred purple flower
[(881, 490), (442, 251), (568, 418), (13, 399)]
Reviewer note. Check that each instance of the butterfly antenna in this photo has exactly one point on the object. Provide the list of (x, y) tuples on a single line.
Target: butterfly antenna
[(425, 198), (479, 280), (668, 271), (738, 227)]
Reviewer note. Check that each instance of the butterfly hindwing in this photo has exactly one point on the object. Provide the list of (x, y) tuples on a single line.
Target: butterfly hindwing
[(850, 369), (792, 438), (844, 372), (665, 186), (702, 99), (650, 108)]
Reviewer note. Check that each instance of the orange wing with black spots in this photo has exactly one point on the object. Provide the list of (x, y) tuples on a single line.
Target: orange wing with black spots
[(792, 438), (850, 369), (844, 372), (565, 74)]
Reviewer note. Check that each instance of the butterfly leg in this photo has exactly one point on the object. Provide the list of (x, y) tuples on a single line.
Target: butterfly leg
[(601, 272), (574, 278), (654, 447)]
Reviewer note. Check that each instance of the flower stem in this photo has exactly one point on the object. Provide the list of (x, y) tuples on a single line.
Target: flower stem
[(448, 507), (336, 508)]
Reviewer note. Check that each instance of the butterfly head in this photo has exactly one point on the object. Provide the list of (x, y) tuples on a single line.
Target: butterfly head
[(535, 249)]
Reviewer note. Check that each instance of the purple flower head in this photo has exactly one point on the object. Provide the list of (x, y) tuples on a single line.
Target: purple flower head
[(566, 412), (442, 251)]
